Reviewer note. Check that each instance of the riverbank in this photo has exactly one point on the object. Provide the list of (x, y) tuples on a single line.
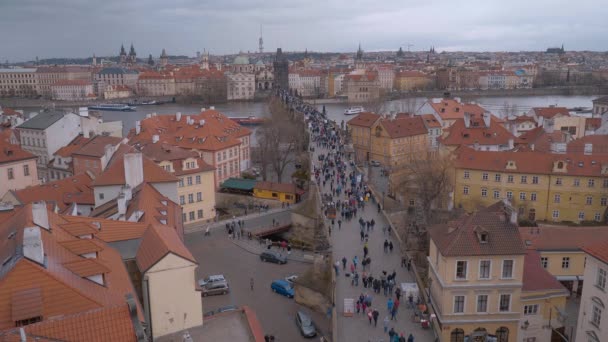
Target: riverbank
[(550, 91)]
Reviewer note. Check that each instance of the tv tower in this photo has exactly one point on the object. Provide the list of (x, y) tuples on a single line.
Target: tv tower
[(261, 41)]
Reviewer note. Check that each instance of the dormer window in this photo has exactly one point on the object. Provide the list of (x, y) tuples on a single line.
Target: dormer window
[(483, 237)]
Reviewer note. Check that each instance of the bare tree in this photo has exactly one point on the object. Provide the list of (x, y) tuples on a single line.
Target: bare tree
[(428, 181), (508, 110)]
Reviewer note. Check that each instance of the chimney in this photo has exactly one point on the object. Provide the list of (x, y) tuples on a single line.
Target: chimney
[(212, 108), (532, 147), (148, 116), (467, 120), (188, 120), (178, 116), (127, 191), (511, 143), (588, 149), (201, 122), (513, 218), (134, 169), (203, 109), (154, 114), (137, 127), (155, 138), (121, 202), (486, 119), (108, 151), (40, 215), (33, 248)]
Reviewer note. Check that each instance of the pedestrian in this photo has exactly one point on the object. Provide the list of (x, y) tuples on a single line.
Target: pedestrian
[(362, 235), (394, 314), (355, 261), (386, 321), (390, 246), (410, 300), (352, 268), (389, 305), (337, 268), (343, 263), (375, 315), (385, 245), (370, 316), (251, 283), (398, 293), (339, 224), (401, 338), (410, 338), (409, 265), (329, 230), (391, 333), (358, 306), (403, 262)]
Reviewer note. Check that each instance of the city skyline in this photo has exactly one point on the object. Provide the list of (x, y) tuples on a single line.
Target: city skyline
[(82, 29)]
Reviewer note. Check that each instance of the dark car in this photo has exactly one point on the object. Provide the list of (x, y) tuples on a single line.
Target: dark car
[(272, 256), (306, 325)]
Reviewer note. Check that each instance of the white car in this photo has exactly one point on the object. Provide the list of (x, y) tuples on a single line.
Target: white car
[(374, 163), (291, 279), (211, 279)]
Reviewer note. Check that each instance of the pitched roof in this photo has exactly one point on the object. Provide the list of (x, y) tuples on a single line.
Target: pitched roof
[(114, 174), (10, 153), (477, 132), (158, 241), (404, 127), (541, 139), (550, 112), (449, 109), (562, 238), (217, 132), (111, 230), (67, 150), (599, 144), (160, 152), (601, 99), (95, 147), (460, 237), (365, 119), (42, 121), (56, 191), (430, 121), (598, 250), (536, 278), (533, 162)]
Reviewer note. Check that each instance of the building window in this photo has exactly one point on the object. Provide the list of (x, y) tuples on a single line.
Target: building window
[(544, 262), (507, 269), (484, 269), (510, 195), (558, 181), (182, 200), (461, 270), (190, 198), (601, 278), (589, 200), (606, 183), (522, 196), (198, 179), (101, 196), (603, 201), (504, 303), (581, 215), (10, 173), (557, 198), (189, 181), (26, 170), (181, 182), (597, 217), (482, 303), (555, 214), (497, 177), (484, 176), (184, 217), (199, 196), (534, 179), (484, 192), (596, 315), (533, 196), (591, 182), (465, 190), (200, 213), (458, 304), (467, 175), (524, 179), (191, 215), (566, 262), (496, 194), (577, 182), (530, 309), (510, 179)]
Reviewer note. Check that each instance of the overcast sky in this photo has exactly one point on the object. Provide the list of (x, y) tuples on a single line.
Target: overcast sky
[(81, 28)]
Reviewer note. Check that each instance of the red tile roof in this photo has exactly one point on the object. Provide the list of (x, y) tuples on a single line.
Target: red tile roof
[(10, 153), (599, 144), (430, 121), (111, 230), (67, 150), (550, 112), (449, 109), (115, 173), (460, 237), (404, 127), (477, 133), (56, 191), (365, 119), (536, 278), (157, 242), (164, 151), (598, 250), (562, 238), (95, 147)]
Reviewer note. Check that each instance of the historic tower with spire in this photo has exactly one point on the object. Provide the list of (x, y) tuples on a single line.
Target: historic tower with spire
[(281, 70), (123, 54), (261, 41), (164, 59), (359, 64), (132, 55)]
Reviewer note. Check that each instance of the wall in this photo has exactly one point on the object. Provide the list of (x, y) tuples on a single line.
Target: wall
[(586, 308), (109, 192), (62, 132), (174, 303), (280, 196), (83, 164), (576, 267), (206, 188), (20, 180), (168, 189)]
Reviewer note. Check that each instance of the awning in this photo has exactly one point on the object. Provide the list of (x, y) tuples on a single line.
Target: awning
[(567, 278)]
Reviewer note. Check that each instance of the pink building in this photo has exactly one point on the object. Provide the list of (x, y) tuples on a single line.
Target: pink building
[(17, 168)]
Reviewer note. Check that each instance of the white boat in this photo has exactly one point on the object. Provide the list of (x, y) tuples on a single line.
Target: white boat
[(354, 110)]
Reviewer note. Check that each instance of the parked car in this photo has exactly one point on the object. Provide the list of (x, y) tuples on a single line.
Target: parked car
[(282, 287), (306, 325), (374, 163), (211, 279), (215, 288), (291, 279), (272, 256), (226, 309)]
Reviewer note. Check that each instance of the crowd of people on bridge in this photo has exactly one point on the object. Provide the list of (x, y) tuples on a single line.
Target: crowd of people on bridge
[(345, 195)]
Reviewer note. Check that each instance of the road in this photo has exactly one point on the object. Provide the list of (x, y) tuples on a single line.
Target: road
[(217, 254), (346, 242)]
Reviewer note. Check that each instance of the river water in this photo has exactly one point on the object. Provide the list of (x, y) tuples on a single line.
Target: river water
[(336, 111)]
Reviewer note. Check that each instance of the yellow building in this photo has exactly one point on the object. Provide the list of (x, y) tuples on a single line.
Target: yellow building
[(195, 191), (476, 270), (411, 80), (392, 141), (551, 187), (575, 125), (284, 192)]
